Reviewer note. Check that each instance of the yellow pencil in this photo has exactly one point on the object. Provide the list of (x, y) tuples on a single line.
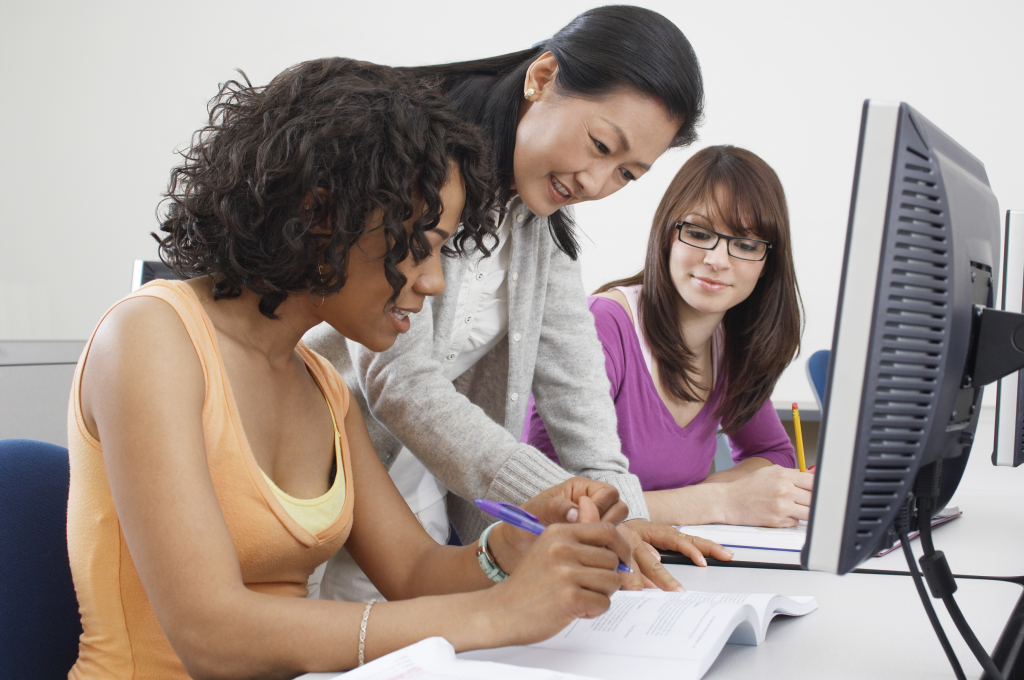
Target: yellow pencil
[(799, 439)]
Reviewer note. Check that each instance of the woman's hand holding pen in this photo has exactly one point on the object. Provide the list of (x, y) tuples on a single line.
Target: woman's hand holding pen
[(568, 572), (575, 500)]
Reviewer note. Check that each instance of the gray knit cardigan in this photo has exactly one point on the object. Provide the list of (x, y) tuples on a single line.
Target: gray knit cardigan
[(468, 433)]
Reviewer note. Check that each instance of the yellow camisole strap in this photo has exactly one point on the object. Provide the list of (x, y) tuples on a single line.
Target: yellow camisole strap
[(316, 514)]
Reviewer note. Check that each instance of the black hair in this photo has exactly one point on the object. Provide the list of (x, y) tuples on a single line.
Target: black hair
[(598, 52), (328, 142)]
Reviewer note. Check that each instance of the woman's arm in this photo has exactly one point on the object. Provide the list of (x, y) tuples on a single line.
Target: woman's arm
[(148, 415), (754, 493), (760, 490), (403, 561), (461, 445), (571, 386), (581, 354)]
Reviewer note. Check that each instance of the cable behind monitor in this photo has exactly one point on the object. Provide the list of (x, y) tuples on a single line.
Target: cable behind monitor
[(927, 487), (939, 581), (902, 527)]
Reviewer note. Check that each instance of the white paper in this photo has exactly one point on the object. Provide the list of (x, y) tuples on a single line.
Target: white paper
[(434, 659), (789, 539), (691, 625)]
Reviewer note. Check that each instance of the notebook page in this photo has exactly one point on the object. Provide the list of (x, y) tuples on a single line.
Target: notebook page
[(789, 539)]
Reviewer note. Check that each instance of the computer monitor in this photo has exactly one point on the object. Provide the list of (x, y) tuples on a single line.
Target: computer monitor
[(1009, 444), (917, 337), (921, 262), (144, 271)]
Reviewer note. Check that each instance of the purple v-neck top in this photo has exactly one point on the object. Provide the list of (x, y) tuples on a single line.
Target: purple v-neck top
[(662, 454)]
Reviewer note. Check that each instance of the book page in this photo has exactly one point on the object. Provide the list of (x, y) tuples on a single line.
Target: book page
[(677, 625), (434, 659), (766, 608), (659, 624)]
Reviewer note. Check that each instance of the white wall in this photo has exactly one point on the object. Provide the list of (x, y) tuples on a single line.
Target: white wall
[(96, 96)]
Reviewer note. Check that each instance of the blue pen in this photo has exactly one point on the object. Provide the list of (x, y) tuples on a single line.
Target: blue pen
[(521, 519)]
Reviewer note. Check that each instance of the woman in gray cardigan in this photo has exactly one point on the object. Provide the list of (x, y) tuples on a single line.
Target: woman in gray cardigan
[(572, 119)]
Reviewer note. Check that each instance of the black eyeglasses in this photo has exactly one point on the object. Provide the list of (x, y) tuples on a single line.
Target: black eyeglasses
[(751, 249)]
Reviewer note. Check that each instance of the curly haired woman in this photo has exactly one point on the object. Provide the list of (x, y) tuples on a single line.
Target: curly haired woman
[(216, 461)]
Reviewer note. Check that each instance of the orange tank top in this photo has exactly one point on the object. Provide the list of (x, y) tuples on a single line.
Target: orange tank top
[(121, 635)]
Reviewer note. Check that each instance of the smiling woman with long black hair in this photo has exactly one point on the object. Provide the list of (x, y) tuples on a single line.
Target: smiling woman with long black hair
[(572, 119)]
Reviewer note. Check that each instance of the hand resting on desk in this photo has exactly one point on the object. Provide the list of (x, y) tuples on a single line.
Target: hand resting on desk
[(645, 538)]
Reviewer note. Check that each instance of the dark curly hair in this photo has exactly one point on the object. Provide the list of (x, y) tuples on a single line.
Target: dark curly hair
[(245, 205)]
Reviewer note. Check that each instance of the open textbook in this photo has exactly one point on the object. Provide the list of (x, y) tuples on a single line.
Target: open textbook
[(788, 539), (647, 633), (686, 629)]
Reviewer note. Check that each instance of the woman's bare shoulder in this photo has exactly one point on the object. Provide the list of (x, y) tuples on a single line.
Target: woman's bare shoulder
[(136, 325), (140, 342)]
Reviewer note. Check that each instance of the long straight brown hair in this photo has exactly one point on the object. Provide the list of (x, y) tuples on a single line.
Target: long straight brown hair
[(762, 333)]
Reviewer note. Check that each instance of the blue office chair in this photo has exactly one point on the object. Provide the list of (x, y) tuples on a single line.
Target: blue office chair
[(817, 375), (39, 620)]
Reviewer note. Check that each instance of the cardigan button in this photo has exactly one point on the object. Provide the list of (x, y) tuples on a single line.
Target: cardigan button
[(514, 396), (519, 218), (451, 356), (515, 276), (517, 337)]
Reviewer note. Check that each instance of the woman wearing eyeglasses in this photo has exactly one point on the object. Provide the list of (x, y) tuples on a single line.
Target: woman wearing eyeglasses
[(696, 342)]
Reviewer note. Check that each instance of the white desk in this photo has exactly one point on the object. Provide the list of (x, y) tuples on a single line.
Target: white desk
[(988, 540), (867, 626)]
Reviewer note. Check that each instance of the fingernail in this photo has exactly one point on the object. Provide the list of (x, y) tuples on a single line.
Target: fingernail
[(728, 552), (703, 562), (680, 589), (572, 515)]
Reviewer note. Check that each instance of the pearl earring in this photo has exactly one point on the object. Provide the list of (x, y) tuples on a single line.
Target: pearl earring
[(528, 94)]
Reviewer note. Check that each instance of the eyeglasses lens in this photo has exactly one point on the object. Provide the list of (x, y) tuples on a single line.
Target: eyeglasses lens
[(747, 249)]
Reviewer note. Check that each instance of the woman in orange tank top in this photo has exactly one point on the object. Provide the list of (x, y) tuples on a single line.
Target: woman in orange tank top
[(215, 460)]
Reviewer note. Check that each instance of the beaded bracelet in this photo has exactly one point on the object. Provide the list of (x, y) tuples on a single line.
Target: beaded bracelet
[(362, 630)]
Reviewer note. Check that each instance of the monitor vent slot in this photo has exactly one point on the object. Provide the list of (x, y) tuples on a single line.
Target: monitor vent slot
[(908, 351)]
